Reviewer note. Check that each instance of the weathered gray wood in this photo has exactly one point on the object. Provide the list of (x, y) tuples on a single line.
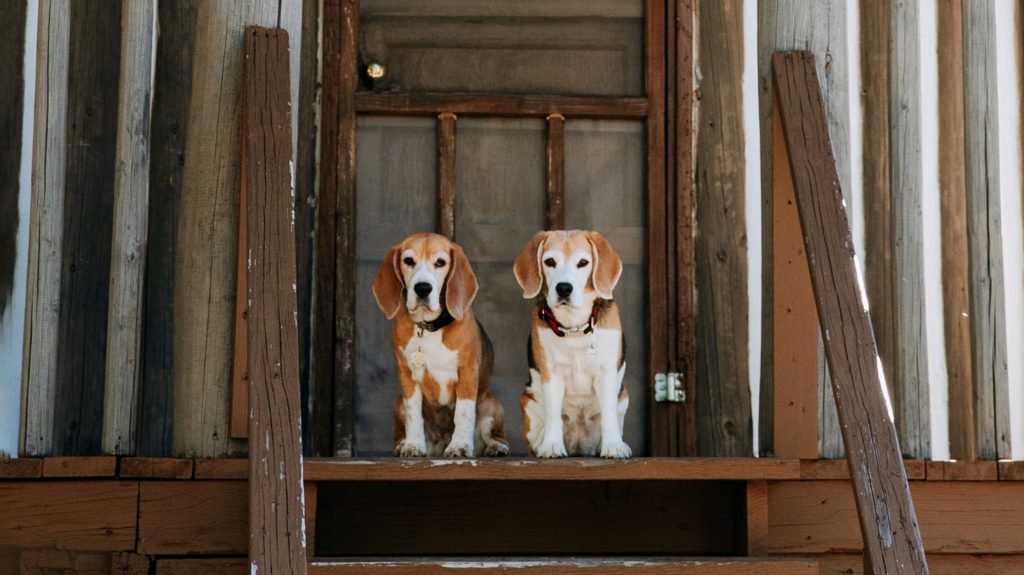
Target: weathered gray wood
[(984, 232), (131, 207), (42, 314), (204, 282), (892, 540), (723, 388), (820, 27), (277, 539), (446, 175)]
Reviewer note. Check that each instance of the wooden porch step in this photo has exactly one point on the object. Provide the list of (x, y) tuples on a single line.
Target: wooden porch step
[(528, 469), (571, 566)]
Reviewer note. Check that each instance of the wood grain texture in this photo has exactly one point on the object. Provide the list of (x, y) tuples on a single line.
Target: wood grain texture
[(757, 518), (22, 468), (723, 389), (172, 94), (962, 471), (155, 468), (277, 540), (540, 565), (888, 523), (221, 468), (225, 566), (73, 515), (554, 215), (88, 213), (131, 216), (446, 184), (42, 315), (836, 469), (850, 564), (430, 103), (953, 205), (240, 351), (78, 466), (192, 517), (984, 233)]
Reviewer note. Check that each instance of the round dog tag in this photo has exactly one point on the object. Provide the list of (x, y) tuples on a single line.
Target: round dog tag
[(418, 359)]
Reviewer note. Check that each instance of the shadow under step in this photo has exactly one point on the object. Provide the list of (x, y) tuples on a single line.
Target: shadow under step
[(570, 565)]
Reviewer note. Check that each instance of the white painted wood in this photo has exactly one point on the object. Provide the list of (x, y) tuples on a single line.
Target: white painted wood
[(39, 375), (131, 210)]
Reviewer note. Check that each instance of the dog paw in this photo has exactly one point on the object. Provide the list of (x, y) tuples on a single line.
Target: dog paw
[(616, 450), (459, 449), (411, 449), (549, 449), (496, 450)]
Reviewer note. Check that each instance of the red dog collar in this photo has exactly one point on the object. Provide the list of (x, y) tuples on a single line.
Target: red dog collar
[(548, 317)]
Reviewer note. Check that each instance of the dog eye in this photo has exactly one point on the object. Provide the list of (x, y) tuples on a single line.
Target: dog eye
[(409, 262), (440, 263), (582, 264), (550, 262)]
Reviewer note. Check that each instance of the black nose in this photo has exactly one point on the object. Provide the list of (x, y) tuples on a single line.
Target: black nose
[(423, 289), (563, 289)]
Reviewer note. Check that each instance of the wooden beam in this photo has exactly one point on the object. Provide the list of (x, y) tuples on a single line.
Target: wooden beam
[(192, 517), (888, 523), (554, 214), (240, 357), (131, 214), (74, 515), (428, 104), (78, 466), (39, 374), (542, 566), (226, 566), (277, 541), (446, 175), (156, 468)]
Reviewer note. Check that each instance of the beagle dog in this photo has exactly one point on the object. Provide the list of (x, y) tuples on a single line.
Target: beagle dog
[(575, 403), (444, 356)]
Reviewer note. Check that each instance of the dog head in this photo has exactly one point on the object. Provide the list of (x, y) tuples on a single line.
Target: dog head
[(575, 267), (422, 272)]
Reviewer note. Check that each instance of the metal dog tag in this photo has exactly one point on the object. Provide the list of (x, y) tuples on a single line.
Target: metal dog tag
[(591, 351), (418, 359)]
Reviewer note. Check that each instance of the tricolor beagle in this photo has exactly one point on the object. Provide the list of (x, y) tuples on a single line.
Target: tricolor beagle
[(444, 356), (575, 402)]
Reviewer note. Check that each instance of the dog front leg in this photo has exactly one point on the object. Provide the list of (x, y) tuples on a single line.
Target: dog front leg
[(415, 443), (465, 413), (553, 441), (609, 380)]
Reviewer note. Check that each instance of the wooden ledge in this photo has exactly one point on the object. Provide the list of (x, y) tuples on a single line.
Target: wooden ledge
[(575, 566), (520, 469)]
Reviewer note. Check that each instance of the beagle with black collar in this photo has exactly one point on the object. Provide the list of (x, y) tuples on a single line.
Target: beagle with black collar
[(575, 403), (444, 356)]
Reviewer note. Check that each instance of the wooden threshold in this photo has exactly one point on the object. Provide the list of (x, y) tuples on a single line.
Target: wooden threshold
[(524, 105), (521, 469), (575, 566)]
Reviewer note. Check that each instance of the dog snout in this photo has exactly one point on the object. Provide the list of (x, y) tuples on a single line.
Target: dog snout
[(423, 289), (563, 289)]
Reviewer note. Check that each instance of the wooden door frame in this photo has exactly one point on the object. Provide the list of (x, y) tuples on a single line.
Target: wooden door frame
[(668, 115)]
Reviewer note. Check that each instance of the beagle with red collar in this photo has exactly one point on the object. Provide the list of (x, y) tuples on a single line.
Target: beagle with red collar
[(444, 356), (575, 403)]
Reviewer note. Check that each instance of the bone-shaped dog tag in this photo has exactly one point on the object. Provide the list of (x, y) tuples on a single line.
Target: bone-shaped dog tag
[(418, 359)]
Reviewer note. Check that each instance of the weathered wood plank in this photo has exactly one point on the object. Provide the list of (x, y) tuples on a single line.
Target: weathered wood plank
[(984, 232), (204, 285), (240, 351), (88, 213), (723, 391), (277, 540), (953, 205), (23, 468), (14, 201), (541, 566), (156, 468), (74, 515), (192, 517), (172, 94), (131, 214), (836, 469), (43, 301), (554, 215), (46, 561), (446, 174), (888, 523), (850, 564), (425, 103), (962, 471), (79, 466), (221, 468), (757, 518), (224, 566)]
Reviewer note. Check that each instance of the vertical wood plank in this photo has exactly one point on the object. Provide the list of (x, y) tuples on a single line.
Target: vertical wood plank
[(984, 232), (554, 216), (795, 368), (277, 540), (131, 212), (39, 377), (14, 199), (892, 539), (723, 401), (172, 92), (757, 518), (240, 359), (445, 175), (953, 206), (204, 285), (345, 251)]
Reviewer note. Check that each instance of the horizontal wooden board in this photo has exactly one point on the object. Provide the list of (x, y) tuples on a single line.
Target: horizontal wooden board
[(100, 466), (192, 517), (226, 566), (853, 564), (388, 469), (955, 517), (72, 515), (426, 103), (156, 468), (840, 469), (24, 468), (962, 471), (1011, 470), (221, 468), (540, 566)]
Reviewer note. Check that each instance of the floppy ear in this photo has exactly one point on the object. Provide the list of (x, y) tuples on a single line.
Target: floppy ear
[(460, 284), (527, 267), (388, 287), (607, 265)]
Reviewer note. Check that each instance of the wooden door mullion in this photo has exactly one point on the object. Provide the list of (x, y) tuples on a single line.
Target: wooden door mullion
[(554, 216)]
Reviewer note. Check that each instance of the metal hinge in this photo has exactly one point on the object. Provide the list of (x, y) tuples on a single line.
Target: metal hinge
[(669, 387)]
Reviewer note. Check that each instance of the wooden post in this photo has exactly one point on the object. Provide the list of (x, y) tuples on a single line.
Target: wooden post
[(277, 540), (446, 175), (554, 215), (131, 211), (892, 540), (39, 375)]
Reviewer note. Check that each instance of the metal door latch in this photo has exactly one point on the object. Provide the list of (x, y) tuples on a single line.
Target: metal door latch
[(669, 387)]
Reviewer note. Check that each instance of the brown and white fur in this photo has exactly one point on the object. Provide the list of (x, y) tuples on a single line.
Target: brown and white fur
[(445, 406), (575, 403)]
